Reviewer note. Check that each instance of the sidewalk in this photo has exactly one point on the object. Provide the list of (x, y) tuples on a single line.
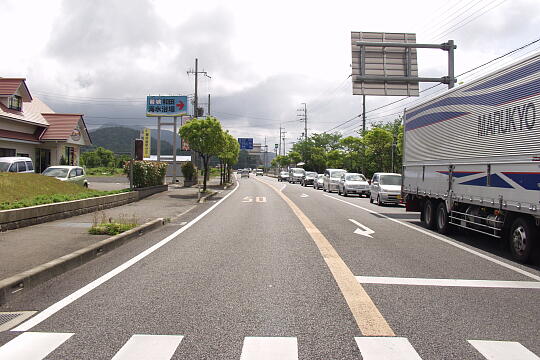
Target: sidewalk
[(25, 248)]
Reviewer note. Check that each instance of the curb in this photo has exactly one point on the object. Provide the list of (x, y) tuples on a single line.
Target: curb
[(205, 197), (41, 273)]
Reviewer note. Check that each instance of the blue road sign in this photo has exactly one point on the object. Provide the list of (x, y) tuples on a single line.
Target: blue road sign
[(246, 143), (166, 105)]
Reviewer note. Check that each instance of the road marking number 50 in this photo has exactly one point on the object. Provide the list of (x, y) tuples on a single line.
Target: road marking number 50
[(259, 199)]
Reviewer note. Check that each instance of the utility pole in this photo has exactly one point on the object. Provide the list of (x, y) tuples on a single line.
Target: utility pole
[(196, 98), (264, 156), (363, 114), (303, 116), (284, 148), (279, 147), (196, 107), (209, 113)]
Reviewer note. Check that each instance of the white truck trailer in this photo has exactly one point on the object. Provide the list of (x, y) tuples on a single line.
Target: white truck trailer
[(472, 157)]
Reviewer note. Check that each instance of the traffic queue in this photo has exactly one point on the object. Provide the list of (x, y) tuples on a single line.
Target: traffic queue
[(382, 188)]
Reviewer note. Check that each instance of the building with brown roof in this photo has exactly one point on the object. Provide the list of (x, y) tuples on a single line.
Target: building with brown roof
[(28, 127)]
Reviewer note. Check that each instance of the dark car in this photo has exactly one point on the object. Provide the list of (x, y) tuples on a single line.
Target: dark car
[(309, 178), (283, 176)]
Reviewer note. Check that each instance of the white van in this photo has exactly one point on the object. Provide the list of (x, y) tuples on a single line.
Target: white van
[(16, 164)]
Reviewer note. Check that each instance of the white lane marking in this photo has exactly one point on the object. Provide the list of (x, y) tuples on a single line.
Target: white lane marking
[(283, 187), (269, 348), (51, 310), (448, 282), (447, 241), (386, 348), (503, 350), (156, 347), (362, 229), (247, 199), (32, 345), (304, 195)]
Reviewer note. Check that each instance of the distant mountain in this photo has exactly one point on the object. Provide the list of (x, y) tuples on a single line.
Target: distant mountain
[(119, 139)]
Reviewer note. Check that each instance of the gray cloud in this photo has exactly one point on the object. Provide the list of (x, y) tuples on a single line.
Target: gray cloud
[(90, 30)]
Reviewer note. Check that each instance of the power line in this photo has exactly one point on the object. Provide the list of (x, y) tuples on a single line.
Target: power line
[(436, 85), (450, 30)]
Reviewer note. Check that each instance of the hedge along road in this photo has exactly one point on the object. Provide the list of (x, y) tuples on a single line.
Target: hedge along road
[(247, 277), (448, 299)]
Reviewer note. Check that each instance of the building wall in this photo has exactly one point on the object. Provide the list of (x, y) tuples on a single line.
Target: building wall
[(20, 147), (17, 126)]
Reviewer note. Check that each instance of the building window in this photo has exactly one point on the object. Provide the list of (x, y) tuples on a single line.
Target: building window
[(15, 102), (69, 155), (7, 152)]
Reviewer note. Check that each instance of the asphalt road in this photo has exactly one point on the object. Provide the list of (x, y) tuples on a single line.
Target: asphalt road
[(277, 271)]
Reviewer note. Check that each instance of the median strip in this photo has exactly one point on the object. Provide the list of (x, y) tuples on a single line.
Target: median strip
[(368, 318)]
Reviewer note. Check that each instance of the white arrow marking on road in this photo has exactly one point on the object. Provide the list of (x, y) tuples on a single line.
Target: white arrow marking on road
[(365, 232), (247, 199), (304, 195)]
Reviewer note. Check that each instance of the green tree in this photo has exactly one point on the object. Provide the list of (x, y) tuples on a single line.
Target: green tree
[(378, 148), (353, 153), (205, 137), (294, 157), (228, 156)]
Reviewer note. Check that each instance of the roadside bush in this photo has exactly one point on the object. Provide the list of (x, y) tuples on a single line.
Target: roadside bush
[(188, 170), (147, 173)]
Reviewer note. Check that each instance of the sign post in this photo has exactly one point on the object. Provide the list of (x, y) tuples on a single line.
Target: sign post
[(147, 139), (167, 106)]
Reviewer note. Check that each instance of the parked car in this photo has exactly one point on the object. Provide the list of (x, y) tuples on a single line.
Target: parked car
[(283, 176), (309, 178), (16, 164), (331, 179), (259, 172), (385, 188), (296, 175), (318, 183), (73, 174), (353, 183)]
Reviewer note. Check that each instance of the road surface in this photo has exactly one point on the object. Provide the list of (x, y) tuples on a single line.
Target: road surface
[(271, 270)]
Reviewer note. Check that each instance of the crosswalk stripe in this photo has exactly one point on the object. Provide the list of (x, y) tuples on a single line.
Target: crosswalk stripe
[(269, 348), (32, 345), (503, 350), (386, 348), (156, 347)]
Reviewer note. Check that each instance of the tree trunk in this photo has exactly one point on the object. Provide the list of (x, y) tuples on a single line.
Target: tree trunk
[(221, 173), (205, 165)]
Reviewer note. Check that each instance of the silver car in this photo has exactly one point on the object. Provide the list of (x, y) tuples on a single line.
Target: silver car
[(331, 179), (385, 188), (296, 175), (318, 183), (73, 174), (353, 183)]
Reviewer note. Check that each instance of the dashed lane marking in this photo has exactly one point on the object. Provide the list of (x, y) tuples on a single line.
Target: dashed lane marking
[(379, 280), (368, 318)]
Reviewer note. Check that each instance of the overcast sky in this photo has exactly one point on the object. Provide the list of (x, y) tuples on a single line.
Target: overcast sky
[(103, 57)]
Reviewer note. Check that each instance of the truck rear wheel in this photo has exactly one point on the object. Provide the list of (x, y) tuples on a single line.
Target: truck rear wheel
[(442, 218), (523, 236), (429, 214)]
